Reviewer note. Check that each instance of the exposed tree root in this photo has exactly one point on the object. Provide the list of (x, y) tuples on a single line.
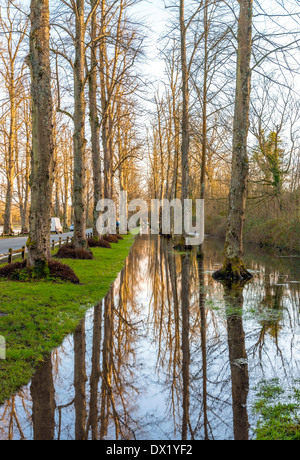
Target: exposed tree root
[(182, 246), (233, 270)]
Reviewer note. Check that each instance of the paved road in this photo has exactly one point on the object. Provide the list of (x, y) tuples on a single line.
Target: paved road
[(17, 243)]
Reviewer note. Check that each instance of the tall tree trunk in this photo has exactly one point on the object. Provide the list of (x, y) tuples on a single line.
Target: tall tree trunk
[(11, 160), (104, 105), (204, 112), (94, 120), (79, 185), (233, 267), (42, 165), (185, 142)]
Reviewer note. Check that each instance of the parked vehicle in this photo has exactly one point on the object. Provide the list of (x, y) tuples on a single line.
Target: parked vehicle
[(72, 228), (56, 226)]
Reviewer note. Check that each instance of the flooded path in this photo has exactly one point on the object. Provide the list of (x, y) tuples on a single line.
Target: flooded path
[(169, 354)]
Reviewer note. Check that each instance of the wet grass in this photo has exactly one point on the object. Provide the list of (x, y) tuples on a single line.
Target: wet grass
[(39, 314), (279, 412)]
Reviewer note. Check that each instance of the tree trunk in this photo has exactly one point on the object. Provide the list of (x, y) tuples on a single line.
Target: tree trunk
[(42, 165), (11, 162), (233, 267), (185, 142), (185, 111), (94, 121), (79, 186), (204, 113)]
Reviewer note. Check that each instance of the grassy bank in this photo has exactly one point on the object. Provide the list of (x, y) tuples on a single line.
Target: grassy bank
[(274, 232), (35, 317)]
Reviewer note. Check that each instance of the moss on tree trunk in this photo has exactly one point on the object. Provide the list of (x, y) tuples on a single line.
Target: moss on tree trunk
[(233, 270)]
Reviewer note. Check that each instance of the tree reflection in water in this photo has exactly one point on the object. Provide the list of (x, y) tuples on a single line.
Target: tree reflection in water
[(233, 296), (168, 354)]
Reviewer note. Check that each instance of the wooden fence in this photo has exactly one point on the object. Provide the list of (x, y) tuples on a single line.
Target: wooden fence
[(61, 241), (14, 252)]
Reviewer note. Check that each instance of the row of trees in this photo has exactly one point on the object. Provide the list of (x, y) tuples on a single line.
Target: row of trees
[(82, 85), (208, 138)]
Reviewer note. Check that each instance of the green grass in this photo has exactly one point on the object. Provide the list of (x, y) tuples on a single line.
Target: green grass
[(38, 315), (279, 412)]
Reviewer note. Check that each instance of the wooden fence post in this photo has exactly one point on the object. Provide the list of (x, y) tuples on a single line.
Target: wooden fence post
[(10, 253), (53, 245), (23, 252), (59, 242)]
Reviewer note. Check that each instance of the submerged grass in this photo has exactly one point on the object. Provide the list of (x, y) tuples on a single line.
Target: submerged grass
[(279, 412), (38, 315)]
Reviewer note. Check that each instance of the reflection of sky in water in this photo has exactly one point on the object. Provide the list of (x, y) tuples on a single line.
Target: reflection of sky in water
[(270, 319)]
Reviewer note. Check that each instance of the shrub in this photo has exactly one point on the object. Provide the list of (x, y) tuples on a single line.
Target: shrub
[(62, 272), (98, 243), (68, 251), (111, 238)]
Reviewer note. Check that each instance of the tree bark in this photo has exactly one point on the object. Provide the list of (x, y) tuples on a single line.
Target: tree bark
[(185, 132), (42, 165), (79, 185), (233, 267), (94, 121), (185, 111), (11, 159), (204, 113)]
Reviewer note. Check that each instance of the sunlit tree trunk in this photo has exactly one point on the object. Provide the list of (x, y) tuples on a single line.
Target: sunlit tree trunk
[(185, 142), (204, 112), (42, 172), (11, 78), (79, 184), (94, 120), (11, 162), (104, 104), (234, 267)]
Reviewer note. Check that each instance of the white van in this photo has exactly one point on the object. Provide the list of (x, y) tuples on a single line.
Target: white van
[(56, 226)]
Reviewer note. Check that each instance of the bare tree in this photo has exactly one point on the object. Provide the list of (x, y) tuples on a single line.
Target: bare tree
[(233, 267), (42, 167)]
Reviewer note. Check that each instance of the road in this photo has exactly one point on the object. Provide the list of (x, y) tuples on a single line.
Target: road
[(17, 243)]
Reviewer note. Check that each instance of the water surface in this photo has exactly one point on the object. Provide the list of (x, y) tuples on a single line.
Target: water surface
[(169, 353)]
